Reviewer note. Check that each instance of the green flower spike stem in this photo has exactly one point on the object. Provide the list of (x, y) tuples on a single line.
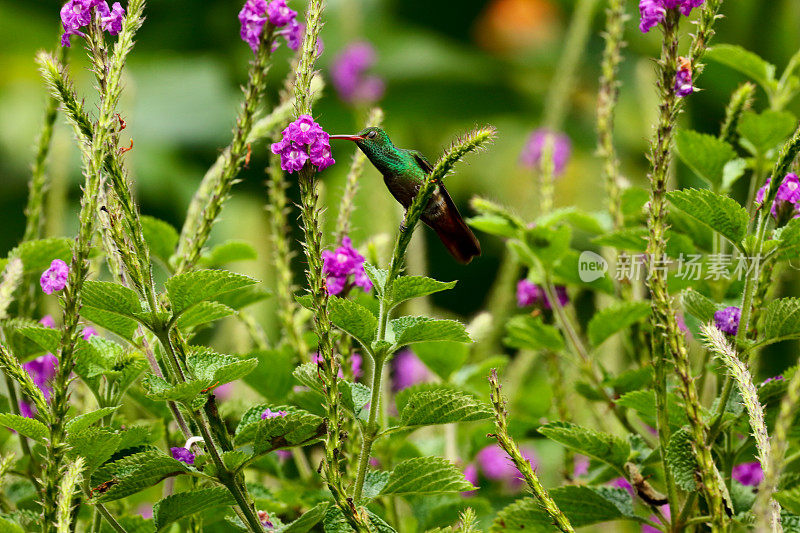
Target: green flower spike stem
[(522, 464), (741, 100), (216, 185), (470, 142), (769, 516), (668, 339), (69, 482)]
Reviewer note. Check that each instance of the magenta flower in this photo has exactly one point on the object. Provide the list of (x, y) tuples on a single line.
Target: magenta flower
[(339, 265), (650, 529), (471, 475), (496, 466), (683, 78), (621, 483), (280, 14), (76, 14), (581, 467), (88, 332), (652, 12), (408, 370), (304, 140), (293, 33), (42, 370), (727, 320), (531, 155), (529, 293), (54, 278), (348, 73), (776, 378), (183, 455), (47, 321), (748, 473), (269, 413), (787, 199), (355, 365), (256, 13)]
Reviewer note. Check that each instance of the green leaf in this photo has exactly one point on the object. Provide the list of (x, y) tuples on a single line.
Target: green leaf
[(698, 305), (241, 298), (443, 358), (190, 288), (789, 500), (272, 377), (706, 155), (426, 475), (354, 395), (378, 277), (607, 448), (29, 427), (137, 472), (761, 132), (629, 239), (95, 444), (720, 213), (531, 333), (352, 318), (582, 505), (595, 223), (335, 522), (183, 504), (615, 318), (493, 225), (229, 252), (443, 406), (9, 526), (297, 427), (789, 240), (307, 520), (374, 483), (644, 403), (681, 459), (408, 287), (782, 318), (216, 369), (745, 62), (548, 244), (412, 329), (81, 422), (111, 297), (158, 388), (161, 236), (37, 255), (121, 325), (203, 313)]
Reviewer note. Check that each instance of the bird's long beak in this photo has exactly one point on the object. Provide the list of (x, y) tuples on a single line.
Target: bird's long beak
[(348, 137)]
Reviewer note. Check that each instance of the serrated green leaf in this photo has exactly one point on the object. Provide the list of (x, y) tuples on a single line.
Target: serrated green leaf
[(297, 427), (354, 395), (412, 329), (548, 244), (582, 505), (95, 444), (425, 475), (681, 459), (761, 132), (443, 406), (374, 483), (531, 333), (111, 297), (408, 287), (746, 62), (604, 447), (782, 318), (698, 305), (378, 277), (705, 154), (789, 500), (137, 472), (157, 388), (308, 375), (161, 236), (121, 325), (629, 239), (203, 313), (190, 288), (37, 255), (788, 238), (644, 403), (33, 429), (215, 369), (719, 213), (81, 422), (307, 520), (596, 223), (354, 319), (183, 504), (443, 358), (615, 318), (493, 225), (241, 298)]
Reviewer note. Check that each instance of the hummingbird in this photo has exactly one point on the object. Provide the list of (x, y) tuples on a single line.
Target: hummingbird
[(404, 172)]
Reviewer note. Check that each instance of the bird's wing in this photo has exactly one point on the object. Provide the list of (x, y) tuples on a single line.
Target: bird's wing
[(423, 163)]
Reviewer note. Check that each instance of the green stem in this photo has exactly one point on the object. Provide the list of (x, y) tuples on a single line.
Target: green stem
[(370, 431), (116, 526)]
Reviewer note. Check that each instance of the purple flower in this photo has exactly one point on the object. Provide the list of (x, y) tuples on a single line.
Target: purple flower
[(531, 155), (621, 483), (342, 263), (283, 455), (650, 529), (348, 73), (54, 278), (748, 473), (355, 365), (776, 378), (529, 293), (263, 517), (76, 14), (652, 12), (183, 455), (683, 78), (293, 33), (47, 321), (471, 475), (787, 199), (727, 320), (269, 413), (255, 14), (88, 332), (112, 21), (496, 466), (303, 140), (581, 467), (408, 370), (280, 14), (42, 370)]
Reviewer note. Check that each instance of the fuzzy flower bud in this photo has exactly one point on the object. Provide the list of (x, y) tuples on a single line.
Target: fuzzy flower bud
[(54, 278)]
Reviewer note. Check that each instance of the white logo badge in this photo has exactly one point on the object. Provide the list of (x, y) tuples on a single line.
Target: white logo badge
[(591, 267)]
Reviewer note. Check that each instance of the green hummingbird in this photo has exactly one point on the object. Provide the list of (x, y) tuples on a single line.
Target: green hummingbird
[(404, 171)]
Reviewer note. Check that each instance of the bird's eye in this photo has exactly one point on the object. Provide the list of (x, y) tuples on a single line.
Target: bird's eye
[(372, 134)]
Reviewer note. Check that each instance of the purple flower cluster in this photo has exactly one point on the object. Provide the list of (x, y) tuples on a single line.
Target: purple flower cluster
[(683, 78), (183, 455), (727, 320), (531, 155), (76, 14), (787, 200), (652, 12), (304, 140), (749, 474), (255, 14), (54, 278), (495, 465), (269, 413), (408, 370), (529, 293), (340, 264), (349, 74), (42, 370)]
